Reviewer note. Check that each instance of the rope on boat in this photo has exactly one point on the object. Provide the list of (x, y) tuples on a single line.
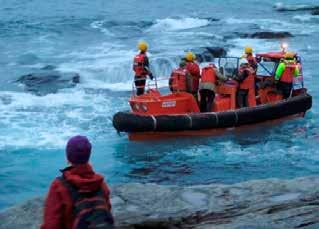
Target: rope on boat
[(190, 121), (236, 118), (217, 119), (154, 122)]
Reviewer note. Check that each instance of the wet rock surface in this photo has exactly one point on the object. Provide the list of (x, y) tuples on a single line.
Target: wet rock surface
[(271, 203), (48, 81), (296, 7), (266, 35), (206, 54), (315, 12)]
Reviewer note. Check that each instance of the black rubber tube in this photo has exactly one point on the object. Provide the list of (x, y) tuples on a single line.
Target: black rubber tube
[(129, 122)]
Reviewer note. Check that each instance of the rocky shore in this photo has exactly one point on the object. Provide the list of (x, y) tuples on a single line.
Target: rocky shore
[(271, 203)]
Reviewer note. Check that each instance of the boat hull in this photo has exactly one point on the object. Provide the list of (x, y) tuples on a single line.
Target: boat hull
[(142, 127)]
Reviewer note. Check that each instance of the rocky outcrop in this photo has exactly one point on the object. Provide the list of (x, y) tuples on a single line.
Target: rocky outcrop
[(207, 54), (271, 35), (296, 7), (269, 203), (266, 35), (47, 81), (315, 12)]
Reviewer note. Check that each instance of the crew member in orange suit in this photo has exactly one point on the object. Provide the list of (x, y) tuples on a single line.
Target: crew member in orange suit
[(141, 68), (194, 70), (246, 92)]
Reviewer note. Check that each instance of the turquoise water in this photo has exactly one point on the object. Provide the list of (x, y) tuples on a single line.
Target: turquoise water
[(97, 40)]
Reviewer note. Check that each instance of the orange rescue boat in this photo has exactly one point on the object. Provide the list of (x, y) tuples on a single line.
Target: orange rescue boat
[(157, 115)]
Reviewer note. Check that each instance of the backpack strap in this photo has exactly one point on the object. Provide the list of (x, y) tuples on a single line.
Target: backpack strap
[(71, 188), (75, 194)]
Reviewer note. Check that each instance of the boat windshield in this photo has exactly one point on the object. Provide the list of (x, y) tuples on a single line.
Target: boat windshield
[(228, 66), (267, 67)]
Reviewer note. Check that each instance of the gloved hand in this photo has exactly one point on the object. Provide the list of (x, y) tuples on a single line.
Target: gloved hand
[(151, 76)]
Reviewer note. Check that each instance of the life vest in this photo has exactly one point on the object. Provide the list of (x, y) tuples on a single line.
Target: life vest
[(249, 82), (288, 74), (138, 65), (178, 80), (194, 70), (208, 75)]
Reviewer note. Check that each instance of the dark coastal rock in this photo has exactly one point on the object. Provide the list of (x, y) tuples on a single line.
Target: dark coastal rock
[(211, 19), (46, 82), (206, 54), (296, 7), (315, 12), (271, 203), (271, 35), (48, 67), (266, 35)]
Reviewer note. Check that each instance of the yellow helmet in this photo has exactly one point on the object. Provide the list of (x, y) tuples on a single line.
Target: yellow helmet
[(190, 56), (142, 46), (248, 50), (289, 55)]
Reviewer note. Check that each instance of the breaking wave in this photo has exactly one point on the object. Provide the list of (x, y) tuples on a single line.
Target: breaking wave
[(171, 24), (99, 25), (306, 18)]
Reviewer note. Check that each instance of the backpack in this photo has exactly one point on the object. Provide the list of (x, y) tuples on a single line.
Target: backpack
[(89, 209)]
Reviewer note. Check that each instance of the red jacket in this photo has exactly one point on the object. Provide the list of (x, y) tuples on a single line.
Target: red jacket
[(194, 70), (58, 204)]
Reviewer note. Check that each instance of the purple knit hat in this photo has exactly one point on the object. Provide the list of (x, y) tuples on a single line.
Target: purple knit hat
[(78, 150)]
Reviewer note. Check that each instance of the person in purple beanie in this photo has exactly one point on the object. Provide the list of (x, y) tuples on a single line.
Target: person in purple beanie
[(79, 198)]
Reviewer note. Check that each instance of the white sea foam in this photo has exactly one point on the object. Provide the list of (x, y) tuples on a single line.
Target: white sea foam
[(171, 24), (110, 66), (25, 100), (259, 45), (99, 25), (305, 17), (106, 63), (47, 122)]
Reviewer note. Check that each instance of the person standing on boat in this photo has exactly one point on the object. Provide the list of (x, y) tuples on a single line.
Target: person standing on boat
[(285, 73), (180, 80), (194, 70), (246, 91), (250, 58), (141, 68), (207, 86)]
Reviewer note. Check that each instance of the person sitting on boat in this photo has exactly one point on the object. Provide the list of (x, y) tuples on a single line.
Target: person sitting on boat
[(180, 79), (246, 92), (141, 68), (286, 71), (250, 58), (194, 70), (207, 86)]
